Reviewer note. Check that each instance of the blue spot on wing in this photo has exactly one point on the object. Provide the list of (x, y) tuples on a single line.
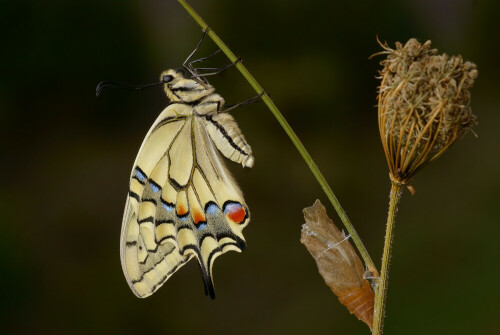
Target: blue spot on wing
[(168, 207), (211, 209), (155, 187), (140, 175), (201, 226)]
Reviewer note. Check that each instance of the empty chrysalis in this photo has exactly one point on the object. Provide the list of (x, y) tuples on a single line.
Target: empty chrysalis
[(338, 263)]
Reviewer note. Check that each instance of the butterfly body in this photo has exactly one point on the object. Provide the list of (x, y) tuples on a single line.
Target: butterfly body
[(182, 201)]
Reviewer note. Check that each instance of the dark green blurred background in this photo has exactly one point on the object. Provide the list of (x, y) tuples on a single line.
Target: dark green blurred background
[(66, 159)]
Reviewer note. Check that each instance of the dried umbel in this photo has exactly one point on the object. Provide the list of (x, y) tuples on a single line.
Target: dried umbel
[(337, 262), (423, 105)]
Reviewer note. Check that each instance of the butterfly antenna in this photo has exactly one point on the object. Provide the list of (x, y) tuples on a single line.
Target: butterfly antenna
[(110, 84)]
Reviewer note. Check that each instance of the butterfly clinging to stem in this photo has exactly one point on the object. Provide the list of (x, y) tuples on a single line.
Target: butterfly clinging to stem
[(182, 201)]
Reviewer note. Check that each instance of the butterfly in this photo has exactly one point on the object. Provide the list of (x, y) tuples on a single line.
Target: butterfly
[(183, 203)]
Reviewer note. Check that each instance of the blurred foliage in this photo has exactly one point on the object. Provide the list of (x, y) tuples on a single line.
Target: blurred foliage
[(66, 158)]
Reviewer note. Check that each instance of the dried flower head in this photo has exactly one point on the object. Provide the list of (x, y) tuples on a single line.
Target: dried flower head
[(423, 105)]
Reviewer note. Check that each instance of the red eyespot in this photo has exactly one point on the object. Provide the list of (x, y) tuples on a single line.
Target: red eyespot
[(235, 212)]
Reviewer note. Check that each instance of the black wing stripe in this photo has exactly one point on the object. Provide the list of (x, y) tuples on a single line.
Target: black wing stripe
[(134, 195), (164, 278), (148, 219), (224, 133), (141, 278), (218, 249), (167, 120)]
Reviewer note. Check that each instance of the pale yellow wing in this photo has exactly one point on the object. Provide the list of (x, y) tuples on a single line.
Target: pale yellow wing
[(144, 264), (182, 203)]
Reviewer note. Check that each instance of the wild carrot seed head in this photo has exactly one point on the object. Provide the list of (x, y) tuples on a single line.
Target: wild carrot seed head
[(423, 105)]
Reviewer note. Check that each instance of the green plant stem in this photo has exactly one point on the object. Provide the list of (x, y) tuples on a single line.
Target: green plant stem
[(381, 291), (293, 137)]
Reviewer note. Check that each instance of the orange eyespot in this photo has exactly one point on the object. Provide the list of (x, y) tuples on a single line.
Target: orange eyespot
[(198, 217), (181, 210)]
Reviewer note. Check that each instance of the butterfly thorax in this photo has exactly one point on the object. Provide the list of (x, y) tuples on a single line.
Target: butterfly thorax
[(194, 92)]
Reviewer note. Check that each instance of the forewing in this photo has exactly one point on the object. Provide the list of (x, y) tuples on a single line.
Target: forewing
[(146, 263)]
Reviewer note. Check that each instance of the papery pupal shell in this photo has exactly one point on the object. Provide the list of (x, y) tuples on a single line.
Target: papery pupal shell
[(337, 262), (359, 301)]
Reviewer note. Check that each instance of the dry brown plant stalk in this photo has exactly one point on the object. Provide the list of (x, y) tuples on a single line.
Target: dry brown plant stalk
[(337, 261), (423, 108)]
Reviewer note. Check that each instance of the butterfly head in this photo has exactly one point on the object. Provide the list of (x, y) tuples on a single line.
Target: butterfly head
[(180, 88)]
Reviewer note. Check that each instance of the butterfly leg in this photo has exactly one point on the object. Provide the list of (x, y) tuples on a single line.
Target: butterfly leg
[(246, 102), (217, 70), (190, 64), (205, 31), (194, 72)]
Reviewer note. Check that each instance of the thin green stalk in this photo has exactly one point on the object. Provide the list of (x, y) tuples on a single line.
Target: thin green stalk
[(381, 292), (293, 137)]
